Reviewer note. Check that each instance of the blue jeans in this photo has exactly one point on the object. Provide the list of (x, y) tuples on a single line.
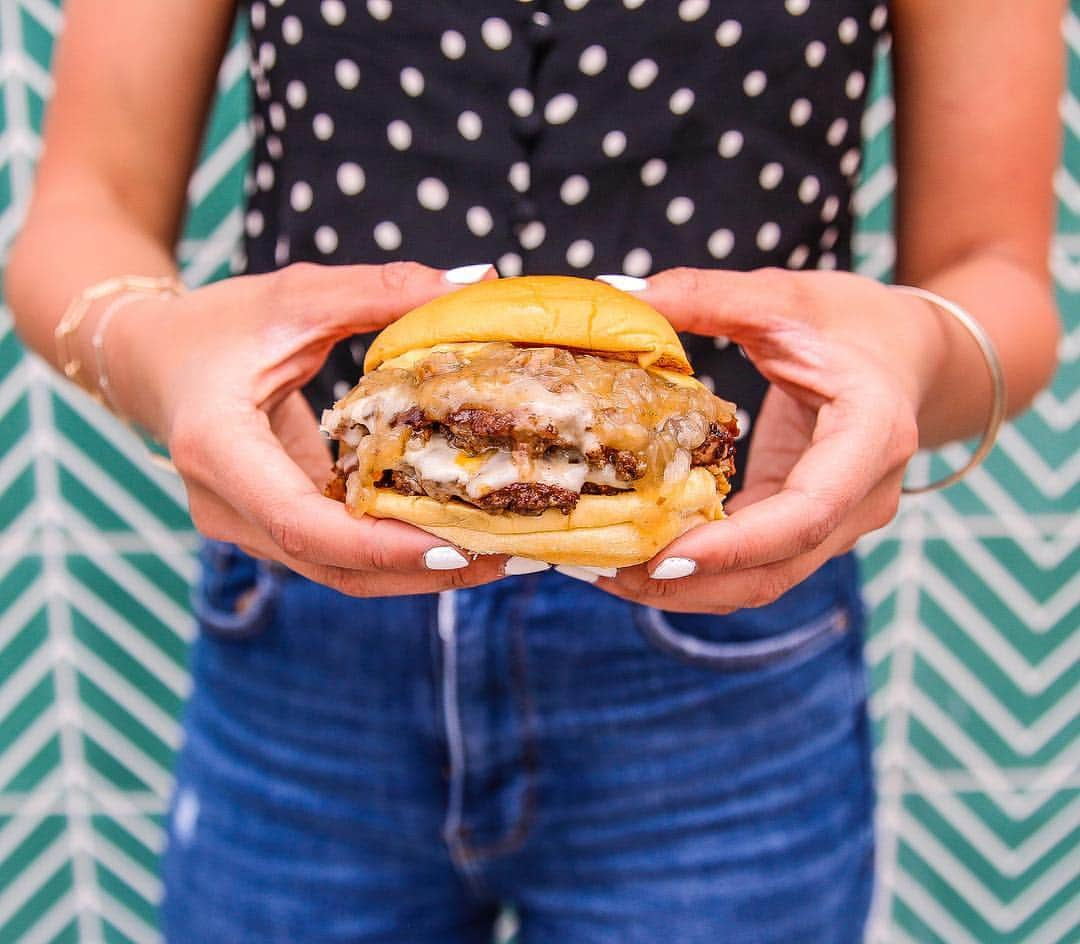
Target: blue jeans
[(398, 769)]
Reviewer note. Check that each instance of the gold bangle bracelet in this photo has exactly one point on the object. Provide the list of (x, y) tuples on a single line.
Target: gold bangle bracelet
[(997, 386), (76, 311)]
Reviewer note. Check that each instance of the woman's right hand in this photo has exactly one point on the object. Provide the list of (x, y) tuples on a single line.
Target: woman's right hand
[(216, 375)]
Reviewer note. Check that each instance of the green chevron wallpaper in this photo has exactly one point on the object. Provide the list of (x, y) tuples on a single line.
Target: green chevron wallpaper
[(974, 653)]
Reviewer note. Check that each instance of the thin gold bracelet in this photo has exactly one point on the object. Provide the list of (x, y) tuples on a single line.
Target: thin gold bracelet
[(997, 385), (76, 311)]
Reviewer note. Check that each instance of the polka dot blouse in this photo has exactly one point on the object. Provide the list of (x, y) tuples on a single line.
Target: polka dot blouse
[(558, 136)]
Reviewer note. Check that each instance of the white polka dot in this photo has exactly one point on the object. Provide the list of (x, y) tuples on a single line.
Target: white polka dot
[(452, 44), (730, 144), (259, 125), (350, 178), (253, 223), (690, 10), (238, 261), (532, 235), (267, 56), (580, 253), (878, 17), (743, 419), (432, 193), (575, 4), (380, 9), (836, 132), (637, 262), (643, 73), (262, 89), (347, 74), (277, 116), (681, 101), (186, 816), (801, 109), (273, 147), (632, 4), (301, 196), (249, 184), (829, 209), (707, 382), (768, 237), (754, 83), (521, 102), (560, 109), (292, 30), (495, 33), (258, 16), (849, 163), (855, 84), (281, 250), (592, 60), (357, 349), (479, 221), (829, 237), (721, 342), (827, 261), (323, 126), (387, 235), (797, 7), (509, 265), (798, 257), (809, 188), (264, 176), (614, 143), (296, 93), (574, 189), (469, 125), (341, 388), (679, 210), (848, 30), (728, 33), (520, 176), (276, 3), (653, 171), (333, 11), (815, 53), (412, 81), (399, 134), (771, 175), (326, 239)]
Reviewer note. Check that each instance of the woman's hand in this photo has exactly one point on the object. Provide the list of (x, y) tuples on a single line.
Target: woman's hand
[(849, 363), (215, 374)]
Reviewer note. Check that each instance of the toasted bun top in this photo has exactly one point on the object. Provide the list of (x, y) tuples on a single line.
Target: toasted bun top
[(543, 309)]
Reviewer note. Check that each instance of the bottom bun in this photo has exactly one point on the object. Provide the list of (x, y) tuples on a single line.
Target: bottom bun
[(601, 531)]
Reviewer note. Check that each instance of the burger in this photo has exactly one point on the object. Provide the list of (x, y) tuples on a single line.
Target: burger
[(548, 417)]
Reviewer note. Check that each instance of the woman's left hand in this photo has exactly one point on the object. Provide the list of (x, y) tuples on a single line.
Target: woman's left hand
[(849, 361)]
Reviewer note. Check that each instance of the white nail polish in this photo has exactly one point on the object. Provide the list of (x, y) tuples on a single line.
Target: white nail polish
[(519, 566), (444, 558), (600, 571), (672, 568), (467, 274), (624, 283), (578, 573)]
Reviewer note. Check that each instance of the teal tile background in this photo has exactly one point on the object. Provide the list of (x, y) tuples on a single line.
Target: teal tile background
[(974, 653)]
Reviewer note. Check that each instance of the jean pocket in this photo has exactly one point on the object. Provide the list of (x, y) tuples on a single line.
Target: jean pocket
[(236, 595), (661, 630)]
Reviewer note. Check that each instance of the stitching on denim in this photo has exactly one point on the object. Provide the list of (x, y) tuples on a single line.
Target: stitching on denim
[(514, 837)]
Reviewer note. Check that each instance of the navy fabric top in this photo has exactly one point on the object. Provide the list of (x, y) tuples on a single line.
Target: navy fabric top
[(558, 136)]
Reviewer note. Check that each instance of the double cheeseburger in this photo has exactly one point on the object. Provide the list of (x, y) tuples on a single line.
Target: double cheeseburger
[(554, 418)]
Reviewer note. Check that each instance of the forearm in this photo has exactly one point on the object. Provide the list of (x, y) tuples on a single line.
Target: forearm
[(67, 244), (1016, 307)]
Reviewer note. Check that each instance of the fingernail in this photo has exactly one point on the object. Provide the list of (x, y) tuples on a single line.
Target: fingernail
[(467, 274), (518, 566), (672, 568), (624, 283), (578, 573), (444, 558)]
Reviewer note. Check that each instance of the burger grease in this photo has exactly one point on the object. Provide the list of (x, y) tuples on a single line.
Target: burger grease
[(549, 417)]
